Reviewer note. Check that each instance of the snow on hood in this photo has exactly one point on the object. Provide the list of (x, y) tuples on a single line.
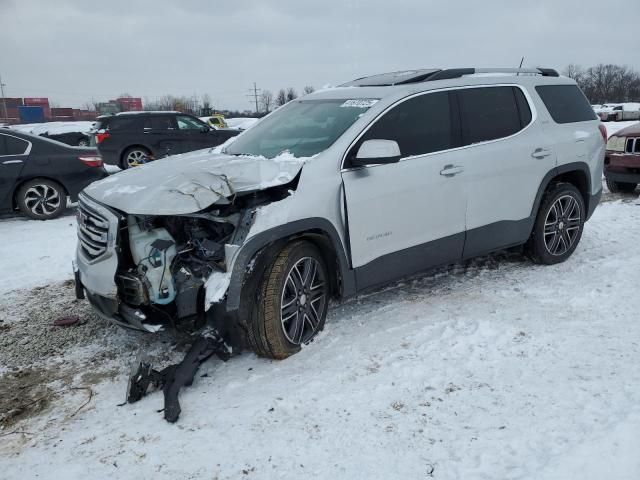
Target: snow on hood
[(191, 182)]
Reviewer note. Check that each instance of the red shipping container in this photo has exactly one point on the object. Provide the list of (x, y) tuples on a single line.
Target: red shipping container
[(62, 112), (11, 102), (36, 101)]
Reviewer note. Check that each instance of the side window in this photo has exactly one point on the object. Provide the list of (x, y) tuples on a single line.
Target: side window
[(156, 122), (12, 145), (523, 107), (489, 113), (420, 125), (188, 123), (566, 103)]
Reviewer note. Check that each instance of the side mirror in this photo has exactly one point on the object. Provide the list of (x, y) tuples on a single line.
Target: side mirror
[(377, 152)]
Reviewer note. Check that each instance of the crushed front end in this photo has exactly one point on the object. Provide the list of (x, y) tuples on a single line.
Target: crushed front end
[(148, 272)]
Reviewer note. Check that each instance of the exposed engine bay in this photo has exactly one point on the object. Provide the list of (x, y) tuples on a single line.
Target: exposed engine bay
[(165, 261)]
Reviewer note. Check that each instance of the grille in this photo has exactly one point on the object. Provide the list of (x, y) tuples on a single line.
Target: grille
[(633, 145), (93, 231)]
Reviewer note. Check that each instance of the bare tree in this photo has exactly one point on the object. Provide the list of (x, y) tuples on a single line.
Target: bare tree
[(308, 89), (281, 98), (291, 94), (606, 82), (266, 101)]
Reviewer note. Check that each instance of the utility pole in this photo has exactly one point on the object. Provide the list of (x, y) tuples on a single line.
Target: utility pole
[(4, 103), (255, 95)]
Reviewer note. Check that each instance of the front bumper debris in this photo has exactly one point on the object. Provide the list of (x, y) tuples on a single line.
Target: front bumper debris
[(172, 378)]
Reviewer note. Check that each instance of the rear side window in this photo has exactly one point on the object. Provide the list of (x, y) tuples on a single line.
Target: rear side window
[(157, 122), (566, 103), (489, 113), (420, 125), (12, 145)]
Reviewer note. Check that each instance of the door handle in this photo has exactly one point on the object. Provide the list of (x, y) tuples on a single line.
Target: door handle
[(9, 162), (540, 153), (451, 170)]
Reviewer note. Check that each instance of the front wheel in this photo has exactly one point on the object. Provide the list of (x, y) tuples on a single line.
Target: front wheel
[(292, 303), (558, 226), (620, 187)]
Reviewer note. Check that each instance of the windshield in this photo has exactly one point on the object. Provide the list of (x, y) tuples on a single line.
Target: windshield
[(302, 128)]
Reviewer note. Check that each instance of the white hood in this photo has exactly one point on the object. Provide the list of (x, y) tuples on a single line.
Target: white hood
[(191, 182)]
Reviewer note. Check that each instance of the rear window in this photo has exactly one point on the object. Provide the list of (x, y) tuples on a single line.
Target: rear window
[(116, 123), (12, 145), (490, 113), (566, 103)]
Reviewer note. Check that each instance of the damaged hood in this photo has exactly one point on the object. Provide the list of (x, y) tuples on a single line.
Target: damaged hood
[(191, 182)]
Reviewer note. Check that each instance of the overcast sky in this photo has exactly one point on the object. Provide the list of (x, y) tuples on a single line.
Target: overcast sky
[(74, 50)]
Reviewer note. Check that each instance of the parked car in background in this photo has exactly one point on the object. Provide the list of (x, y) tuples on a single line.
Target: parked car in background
[(619, 112), (132, 138), (78, 139), (38, 175), (341, 191), (622, 160), (215, 121), (75, 133)]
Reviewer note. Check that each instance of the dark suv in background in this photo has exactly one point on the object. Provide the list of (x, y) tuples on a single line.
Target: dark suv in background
[(129, 139)]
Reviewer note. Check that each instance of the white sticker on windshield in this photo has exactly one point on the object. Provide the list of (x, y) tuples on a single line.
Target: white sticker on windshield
[(360, 103)]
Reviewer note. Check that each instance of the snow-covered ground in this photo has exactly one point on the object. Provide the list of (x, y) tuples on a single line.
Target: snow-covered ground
[(54, 128), (494, 369), (34, 252)]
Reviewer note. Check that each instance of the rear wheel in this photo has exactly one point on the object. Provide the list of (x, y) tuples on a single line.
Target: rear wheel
[(620, 187), (41, 199), (292, 302), (134, 156), (558, 226)]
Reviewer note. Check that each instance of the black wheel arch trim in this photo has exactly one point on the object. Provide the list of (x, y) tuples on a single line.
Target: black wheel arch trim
[(273, 239), (590, 200)]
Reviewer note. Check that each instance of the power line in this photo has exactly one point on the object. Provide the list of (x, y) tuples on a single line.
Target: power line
[(255, 95)]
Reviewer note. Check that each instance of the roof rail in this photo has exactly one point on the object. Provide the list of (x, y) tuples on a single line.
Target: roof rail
[(428, 75)]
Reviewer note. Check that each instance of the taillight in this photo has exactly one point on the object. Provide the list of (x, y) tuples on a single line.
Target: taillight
[(603, 132), (101, 137), (91, 160)]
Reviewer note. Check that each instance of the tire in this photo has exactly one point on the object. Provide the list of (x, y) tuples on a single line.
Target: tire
[(132, 157), (620, 187), (305, 303), (558, 226), (41, 199)]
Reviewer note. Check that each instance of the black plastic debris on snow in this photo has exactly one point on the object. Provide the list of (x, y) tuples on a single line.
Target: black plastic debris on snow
[(172, 378)]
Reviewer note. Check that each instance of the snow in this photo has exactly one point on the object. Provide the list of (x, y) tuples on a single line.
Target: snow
[(489, 370), (241, 123), (35, 253), (54, 128), (613, 127)]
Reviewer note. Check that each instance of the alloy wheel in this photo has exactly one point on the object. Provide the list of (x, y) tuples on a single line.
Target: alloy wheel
[(42, 200), (135, 158), (562, 225), (303, 300)]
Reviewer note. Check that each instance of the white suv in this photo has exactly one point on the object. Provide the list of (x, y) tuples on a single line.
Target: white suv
[(340, 191)]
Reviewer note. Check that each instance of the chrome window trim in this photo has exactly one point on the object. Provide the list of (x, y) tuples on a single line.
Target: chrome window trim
[(527, 96), (26, 152)]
